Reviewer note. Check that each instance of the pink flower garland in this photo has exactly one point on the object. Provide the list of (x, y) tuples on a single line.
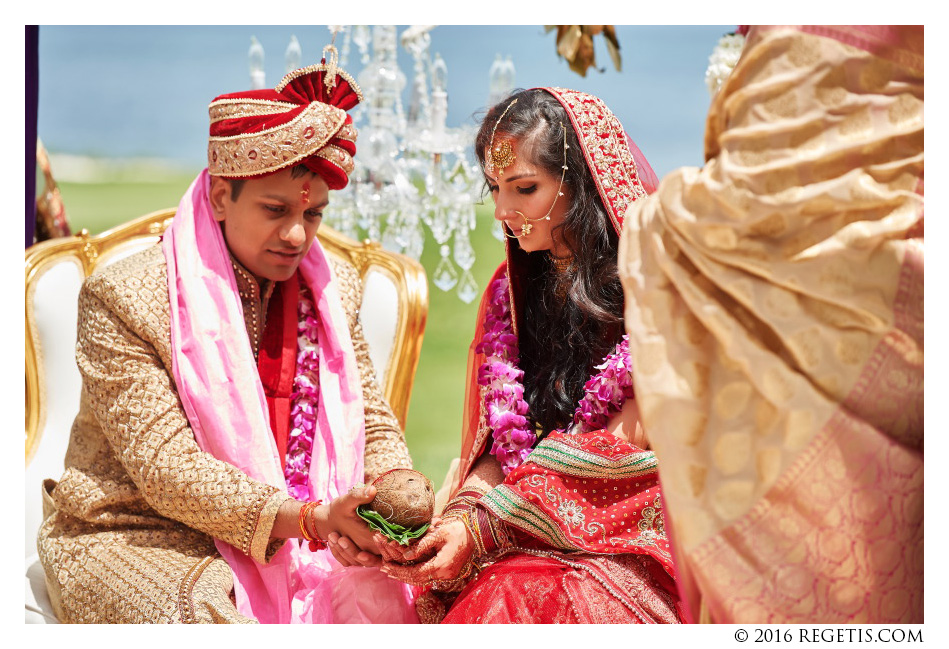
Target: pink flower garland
[(500, 382), (503, 392), (305, 396), (607, 390)]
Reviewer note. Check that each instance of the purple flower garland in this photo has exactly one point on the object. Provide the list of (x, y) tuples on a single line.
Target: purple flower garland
[(607, 390), (305, 396), (502, 389), (500, 381)]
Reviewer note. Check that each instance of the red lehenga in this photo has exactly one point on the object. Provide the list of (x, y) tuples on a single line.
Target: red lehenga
[(584, 513)]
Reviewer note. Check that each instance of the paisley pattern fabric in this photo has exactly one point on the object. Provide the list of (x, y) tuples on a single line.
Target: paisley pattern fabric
[(130, 536), (590, 492), (774, 302), (586, 540)]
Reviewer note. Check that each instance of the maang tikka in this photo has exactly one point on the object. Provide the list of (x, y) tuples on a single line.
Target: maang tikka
[(500, 157)]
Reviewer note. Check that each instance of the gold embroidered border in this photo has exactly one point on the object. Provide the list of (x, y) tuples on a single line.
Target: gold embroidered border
[(347, 132), (579, 565), (339, 157), (513, 508), (238, 156), (260, 537), (604, 145), (234, 108), (290, 76), (186, 588), (566, 459)]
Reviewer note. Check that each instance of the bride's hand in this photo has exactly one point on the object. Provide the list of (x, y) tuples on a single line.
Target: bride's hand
[(395, 552), (448, 547)]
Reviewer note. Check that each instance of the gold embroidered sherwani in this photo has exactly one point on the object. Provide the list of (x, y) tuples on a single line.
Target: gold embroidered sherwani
[(129, 535)]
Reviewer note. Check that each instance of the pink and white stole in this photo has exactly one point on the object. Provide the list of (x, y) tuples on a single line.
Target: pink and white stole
[(220, 389)]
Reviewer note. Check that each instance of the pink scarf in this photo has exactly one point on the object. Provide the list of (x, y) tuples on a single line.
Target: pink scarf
[(220, 390)]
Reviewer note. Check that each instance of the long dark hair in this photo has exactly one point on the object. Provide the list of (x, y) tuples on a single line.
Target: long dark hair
[(571, 320)]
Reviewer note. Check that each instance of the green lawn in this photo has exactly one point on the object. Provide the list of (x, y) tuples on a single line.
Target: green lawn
[(433, 430)]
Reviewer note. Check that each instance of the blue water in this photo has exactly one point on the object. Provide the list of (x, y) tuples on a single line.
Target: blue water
[(117, 91)]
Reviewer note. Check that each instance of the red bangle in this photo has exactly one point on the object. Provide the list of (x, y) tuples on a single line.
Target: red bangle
[(316, 543)]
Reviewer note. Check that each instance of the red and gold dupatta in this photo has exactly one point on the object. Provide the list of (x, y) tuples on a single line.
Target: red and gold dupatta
[(583, 494), (622, 174)]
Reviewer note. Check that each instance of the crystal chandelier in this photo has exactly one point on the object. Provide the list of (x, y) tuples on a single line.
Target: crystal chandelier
[(411, 172)]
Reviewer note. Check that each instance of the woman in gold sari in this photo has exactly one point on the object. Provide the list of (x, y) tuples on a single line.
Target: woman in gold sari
[(774, 303)]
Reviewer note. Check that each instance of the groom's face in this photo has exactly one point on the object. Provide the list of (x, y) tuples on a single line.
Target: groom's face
[(269, 222)]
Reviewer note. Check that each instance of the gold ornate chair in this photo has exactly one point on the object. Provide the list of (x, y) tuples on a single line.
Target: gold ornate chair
[(393, 313)]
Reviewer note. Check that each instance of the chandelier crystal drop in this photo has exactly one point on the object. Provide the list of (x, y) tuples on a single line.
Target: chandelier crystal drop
[(413, 172)]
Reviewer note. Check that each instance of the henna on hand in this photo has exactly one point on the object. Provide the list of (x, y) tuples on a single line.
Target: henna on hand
[(452, 547)]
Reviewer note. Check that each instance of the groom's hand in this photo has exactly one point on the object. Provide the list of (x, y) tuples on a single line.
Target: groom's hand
[(349, 537)]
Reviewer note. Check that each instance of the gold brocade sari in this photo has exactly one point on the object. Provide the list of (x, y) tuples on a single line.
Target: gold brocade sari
[(775, 312)]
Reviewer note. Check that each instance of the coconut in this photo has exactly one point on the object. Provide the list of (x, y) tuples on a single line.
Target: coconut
[(404, 497)]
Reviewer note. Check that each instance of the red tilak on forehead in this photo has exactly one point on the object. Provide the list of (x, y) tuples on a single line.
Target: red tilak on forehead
[(305, 193)]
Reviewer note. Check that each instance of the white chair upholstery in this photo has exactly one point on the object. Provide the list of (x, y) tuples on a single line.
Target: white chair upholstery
[(393, 313)]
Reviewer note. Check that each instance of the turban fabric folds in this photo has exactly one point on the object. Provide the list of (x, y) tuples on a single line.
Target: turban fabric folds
[(303, 120)]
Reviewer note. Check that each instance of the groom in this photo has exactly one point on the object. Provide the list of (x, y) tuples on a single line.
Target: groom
[(229, 407)]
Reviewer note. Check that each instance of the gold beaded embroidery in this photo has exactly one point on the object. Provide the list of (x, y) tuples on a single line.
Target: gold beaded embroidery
[(603, 141), (337, 156), (347, 132), (109, 555), (243, 155), (290, 76), (253, 302), (239, 108), (186, 588)]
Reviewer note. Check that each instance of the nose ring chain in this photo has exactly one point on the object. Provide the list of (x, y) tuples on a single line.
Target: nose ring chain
[(527, 226)]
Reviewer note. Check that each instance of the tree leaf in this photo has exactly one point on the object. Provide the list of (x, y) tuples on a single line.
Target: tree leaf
[(612, 46)]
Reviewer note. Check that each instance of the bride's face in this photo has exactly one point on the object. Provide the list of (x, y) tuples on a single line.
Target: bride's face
[(524, 189)]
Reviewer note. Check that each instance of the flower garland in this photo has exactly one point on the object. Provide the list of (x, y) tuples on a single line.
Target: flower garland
[(305, 396), (502, 389), (723, 60), (500, 380), (607, 390)]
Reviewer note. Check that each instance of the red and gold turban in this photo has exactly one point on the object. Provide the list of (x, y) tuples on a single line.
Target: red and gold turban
[(302, 120)]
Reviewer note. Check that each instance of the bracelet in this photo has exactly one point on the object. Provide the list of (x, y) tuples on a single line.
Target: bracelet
[(492, 532), (464, 500), (316, 543), (474, 529), (486, 531)]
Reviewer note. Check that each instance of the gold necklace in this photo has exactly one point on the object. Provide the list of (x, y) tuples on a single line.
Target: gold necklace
[(560, 264)]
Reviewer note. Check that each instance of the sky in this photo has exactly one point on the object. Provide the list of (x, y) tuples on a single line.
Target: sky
[(122, 91)]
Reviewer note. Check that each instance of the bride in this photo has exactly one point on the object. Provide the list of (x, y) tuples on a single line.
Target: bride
[(556, 514)]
